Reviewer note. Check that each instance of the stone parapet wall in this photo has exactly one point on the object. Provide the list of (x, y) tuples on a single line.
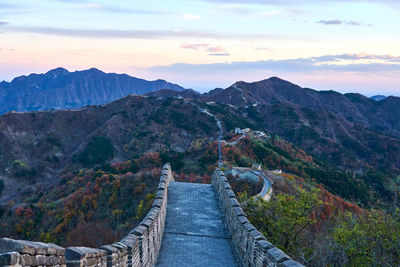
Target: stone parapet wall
[(251, 247), (139, 248), (26, 253)]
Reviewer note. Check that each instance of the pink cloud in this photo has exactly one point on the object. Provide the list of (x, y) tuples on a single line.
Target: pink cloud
[(211, 50), (215, 49), (194, 46)]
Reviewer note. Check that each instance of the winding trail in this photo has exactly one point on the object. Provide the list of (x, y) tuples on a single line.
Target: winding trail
[(219, 138)]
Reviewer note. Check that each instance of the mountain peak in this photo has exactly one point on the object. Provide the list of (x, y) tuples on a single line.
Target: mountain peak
[(57, 71), (276, 80), (94, 70), (56, 88), (378, 97)]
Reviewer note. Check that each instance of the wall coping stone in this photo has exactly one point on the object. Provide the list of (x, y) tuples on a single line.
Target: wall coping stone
[(78, 253), (247, 239), (130, 251), (29, 247)]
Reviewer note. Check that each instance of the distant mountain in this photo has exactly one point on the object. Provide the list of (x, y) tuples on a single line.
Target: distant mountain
[(349, 130), (378, 97), (61, 89), (187, 94)]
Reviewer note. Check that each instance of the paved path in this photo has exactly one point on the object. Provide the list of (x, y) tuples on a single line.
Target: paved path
[(194, 233)]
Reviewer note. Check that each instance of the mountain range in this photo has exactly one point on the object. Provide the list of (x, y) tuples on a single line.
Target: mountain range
[(84, 176), (61, 89), (350, 132)]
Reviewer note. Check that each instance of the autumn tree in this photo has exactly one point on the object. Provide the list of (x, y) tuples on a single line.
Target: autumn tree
[(284, 219)]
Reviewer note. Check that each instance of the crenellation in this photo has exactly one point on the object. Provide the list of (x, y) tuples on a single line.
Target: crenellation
[(249, 244), (141, 246)]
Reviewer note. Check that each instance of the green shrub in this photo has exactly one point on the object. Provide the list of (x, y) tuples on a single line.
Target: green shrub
[(98, 151), (21, 169)]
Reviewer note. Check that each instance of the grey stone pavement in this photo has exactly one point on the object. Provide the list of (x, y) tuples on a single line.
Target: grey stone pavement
[(194, 233)]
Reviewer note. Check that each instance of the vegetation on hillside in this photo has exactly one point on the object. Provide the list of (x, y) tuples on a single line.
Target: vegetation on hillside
[(306, 220), (90, 207), (300, 225), (371, 189), (98, 151), (321, 213)]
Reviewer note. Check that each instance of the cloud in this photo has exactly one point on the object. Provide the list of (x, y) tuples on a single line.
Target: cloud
[(215, 49), (115, 9), (93, 5), (8, 6), (225, 54), (261, 48), (246, 11), (144, 34), (3, 23), (190, 16), (194, 46), (301, 2), (211, 50), (342, 22), (330, 22), (354, 63)]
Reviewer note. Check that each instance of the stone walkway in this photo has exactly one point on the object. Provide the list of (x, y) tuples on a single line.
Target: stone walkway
[(194, 233)]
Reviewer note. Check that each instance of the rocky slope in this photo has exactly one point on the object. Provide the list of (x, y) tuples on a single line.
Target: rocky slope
[(349, 130), (61, 89), (36, 147)]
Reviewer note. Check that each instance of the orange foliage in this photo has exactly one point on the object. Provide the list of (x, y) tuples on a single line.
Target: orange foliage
[(151, 159), (28, 213), (333, 202), (19, 211)]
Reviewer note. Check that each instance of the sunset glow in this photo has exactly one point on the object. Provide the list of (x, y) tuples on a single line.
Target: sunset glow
[(348, 46)]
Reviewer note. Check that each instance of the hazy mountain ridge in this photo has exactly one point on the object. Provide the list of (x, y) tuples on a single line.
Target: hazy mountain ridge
[(378, 97), (61, 89), (350, 130), (354, 107)]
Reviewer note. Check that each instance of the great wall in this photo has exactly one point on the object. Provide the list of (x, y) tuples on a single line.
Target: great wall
[(188, 225)]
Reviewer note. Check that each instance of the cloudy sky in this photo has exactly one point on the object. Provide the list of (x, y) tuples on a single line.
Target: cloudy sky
[(344, 45)]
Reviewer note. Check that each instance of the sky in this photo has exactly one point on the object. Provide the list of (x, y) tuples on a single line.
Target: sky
[(341, 45)]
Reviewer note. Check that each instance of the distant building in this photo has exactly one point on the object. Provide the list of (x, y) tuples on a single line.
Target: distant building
[(238, 131), (257, 166), (277, 171)]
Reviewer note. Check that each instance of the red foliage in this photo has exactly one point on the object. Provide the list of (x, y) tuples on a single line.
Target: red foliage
[(19, 211), (206, 179), (28, 213), (333, 202), (150, 160)]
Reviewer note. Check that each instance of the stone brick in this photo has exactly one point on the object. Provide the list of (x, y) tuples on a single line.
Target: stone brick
[(77, 253), (290, 263), (28, 260), (20, 246), (157, 203), (9, 258), (40, 259), (251, 246), (276, 255)]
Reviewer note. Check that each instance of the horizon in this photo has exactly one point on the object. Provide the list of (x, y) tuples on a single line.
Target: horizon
[(205, 91), (345, 46)]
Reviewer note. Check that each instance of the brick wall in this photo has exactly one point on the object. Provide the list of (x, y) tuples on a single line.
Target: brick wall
[(139, 248), (252, 248)]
